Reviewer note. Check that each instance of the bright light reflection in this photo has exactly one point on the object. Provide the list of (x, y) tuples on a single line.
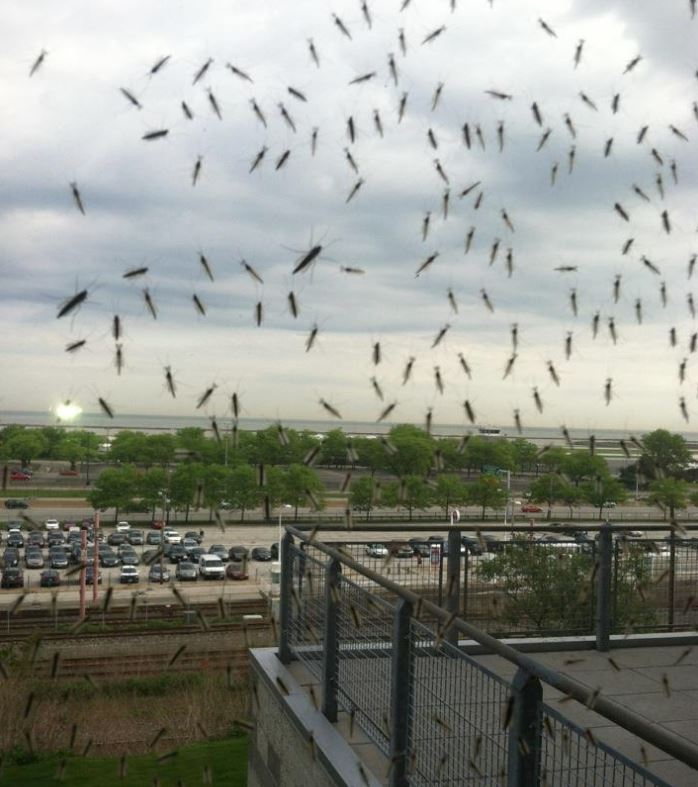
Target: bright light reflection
[(66, 411)]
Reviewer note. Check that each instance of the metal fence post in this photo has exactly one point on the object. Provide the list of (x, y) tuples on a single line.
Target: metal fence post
[(401, 691), (285, 597), (672, 575), (466, 576), (603, 589), (441, 576), (525, 731), (330, 656), (453, 581)]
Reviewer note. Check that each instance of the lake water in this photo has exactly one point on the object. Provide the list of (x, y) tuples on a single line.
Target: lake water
[(99, 422)]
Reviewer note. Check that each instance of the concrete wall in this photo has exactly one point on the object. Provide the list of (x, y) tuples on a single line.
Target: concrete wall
[(293, 744)]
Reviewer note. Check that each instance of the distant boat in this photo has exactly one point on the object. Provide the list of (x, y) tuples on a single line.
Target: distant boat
[(487, 431)]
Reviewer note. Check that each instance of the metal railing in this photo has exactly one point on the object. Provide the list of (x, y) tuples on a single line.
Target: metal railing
[(528, 587), (389, 658)]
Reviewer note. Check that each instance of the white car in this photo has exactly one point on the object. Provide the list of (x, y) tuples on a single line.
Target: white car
[(211, 567), (376, 550), (128, 575), (52, 524), (122, 527), (171, 537)]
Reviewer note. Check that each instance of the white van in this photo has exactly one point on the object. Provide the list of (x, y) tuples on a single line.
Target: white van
[(211, 567)]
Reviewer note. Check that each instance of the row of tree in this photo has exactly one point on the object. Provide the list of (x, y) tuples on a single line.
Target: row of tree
[(194, 484)]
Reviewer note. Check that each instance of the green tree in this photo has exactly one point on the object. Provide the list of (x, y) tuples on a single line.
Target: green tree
[(362, 495), (449, 490), (193, 440), (128, 447), (413, 451), (25, 445), (215, 478), (548, 489), (184, 482), (603, 490), (524, 454), (669, 493), (242, 490), (302, 486), (334, 449), (115, 487), (159, 449), (486, 492), (553, 460), (54, 436), (371, 454), (153, 486), (413, 492), (581, 465), (664, 453), (542, 588), (551, 591), (453, 453)]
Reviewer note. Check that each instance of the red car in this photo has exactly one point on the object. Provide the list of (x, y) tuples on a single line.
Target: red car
[(20, 475), (531, 509), (68, 472)]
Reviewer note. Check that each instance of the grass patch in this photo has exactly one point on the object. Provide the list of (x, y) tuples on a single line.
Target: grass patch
[(147, 686), (28, 492), (226, 759)]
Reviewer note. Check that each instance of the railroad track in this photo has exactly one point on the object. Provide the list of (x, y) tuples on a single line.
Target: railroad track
[(143, 665), (26, 623)]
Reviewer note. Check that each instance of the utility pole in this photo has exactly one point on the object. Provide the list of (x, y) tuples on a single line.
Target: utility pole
[(95, 557)]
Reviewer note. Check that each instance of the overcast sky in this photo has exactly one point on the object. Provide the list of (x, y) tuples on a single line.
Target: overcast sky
[(70, 123)]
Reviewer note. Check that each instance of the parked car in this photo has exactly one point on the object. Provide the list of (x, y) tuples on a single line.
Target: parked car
[(377, 550), (221, 551), (195, 553), (50, 578), (52, 524), (170, 536), (157, 524), (401, 549), (193, 534), (472, 544), (123, 527), (90, 575), (12, 578), (15, 539), (238, 553), (10, 558), (20, 475), (54, 538), (211, 567), (57, 557), (189, 543), (530, 508), (135, 538), (68, 472), (154, 538), (36, 538), (108, 559), (128, 575), (420, 547), (129, 558), (237, 570), (158, 574), (261, 553), (33, 558), (175, 553), (186, 571), (116, 539), (274, 549), (13, 502)]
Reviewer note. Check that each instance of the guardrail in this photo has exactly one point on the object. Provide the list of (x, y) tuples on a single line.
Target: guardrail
[(389, 658), (526, 587)]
